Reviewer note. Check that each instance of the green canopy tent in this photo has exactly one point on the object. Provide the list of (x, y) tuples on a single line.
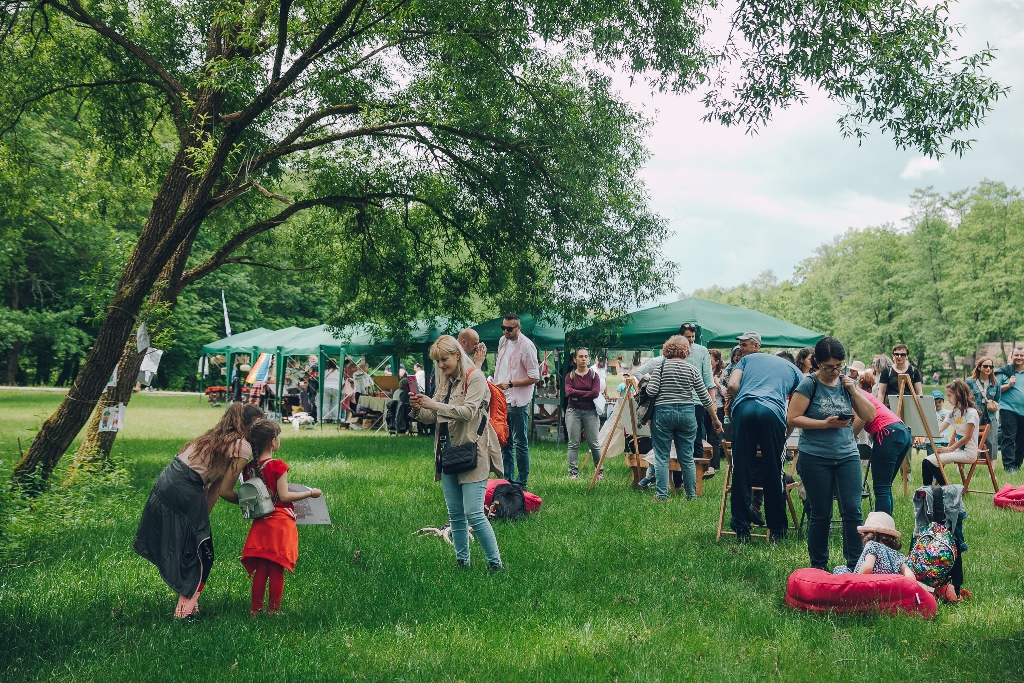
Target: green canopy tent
[(719, 325), (230, 346)]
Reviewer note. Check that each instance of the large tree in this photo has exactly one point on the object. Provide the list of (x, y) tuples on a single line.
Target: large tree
[(464, 150)]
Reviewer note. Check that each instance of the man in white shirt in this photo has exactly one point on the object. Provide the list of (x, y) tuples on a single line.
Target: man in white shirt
[(516, 371)]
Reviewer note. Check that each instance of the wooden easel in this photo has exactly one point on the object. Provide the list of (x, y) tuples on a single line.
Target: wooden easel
[(906, 386), (615, 425)]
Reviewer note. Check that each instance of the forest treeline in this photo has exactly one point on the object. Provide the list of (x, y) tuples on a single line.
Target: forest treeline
[(946, 282)]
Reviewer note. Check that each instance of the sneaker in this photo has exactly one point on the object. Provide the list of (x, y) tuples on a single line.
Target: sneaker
[(461, 564), (661, 500), (709, 472), (495, 567), (776, 537), (644, 483), (742, 538), (755, 516), (600, 476), (574, 477)]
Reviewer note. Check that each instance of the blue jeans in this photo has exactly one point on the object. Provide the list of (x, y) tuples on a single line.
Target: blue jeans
[(466, 508), (674, 422), (887, 454), (753, 426), (825, 479), (517, 444)]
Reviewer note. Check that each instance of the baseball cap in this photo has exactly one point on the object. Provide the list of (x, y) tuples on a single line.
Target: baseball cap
[(752, 336), (938, 394)]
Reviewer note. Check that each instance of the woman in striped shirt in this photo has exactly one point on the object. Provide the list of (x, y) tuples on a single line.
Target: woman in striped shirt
[(672, 384)]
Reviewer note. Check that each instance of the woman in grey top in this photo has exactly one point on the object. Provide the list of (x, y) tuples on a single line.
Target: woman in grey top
[(823, 407), (672, 384)]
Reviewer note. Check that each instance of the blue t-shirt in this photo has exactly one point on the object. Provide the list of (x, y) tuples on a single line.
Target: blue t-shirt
[(1013, 398), (768, 380), (837, 443)]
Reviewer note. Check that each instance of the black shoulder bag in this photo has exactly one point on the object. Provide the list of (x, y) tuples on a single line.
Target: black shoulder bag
[(459, 459)]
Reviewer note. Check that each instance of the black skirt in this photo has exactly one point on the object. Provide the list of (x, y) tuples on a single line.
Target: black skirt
[(175, 522)]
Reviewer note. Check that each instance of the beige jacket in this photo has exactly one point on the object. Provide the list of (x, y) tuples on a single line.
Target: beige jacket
[(466, 407)]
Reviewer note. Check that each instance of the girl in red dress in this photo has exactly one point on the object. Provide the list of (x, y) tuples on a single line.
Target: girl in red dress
[(273, 541)]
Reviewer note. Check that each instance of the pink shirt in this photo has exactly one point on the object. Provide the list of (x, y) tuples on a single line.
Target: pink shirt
[(883, 416)]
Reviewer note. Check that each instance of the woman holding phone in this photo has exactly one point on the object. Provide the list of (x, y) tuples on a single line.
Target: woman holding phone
[(823, 407)]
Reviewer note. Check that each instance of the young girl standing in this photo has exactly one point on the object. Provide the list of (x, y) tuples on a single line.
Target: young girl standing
[(273, 541)]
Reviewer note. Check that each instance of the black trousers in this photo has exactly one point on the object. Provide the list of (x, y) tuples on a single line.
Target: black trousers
[(753, 426), (1011, 439)]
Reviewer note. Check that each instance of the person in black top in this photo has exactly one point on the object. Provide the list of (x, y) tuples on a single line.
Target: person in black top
[(889, 381)]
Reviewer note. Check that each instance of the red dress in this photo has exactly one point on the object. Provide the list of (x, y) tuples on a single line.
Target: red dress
[(274, 537)]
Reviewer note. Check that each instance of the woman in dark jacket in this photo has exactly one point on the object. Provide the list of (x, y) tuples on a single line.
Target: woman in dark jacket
[(174, 532)]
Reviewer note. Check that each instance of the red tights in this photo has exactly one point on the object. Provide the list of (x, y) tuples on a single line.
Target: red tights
[(265, 569)]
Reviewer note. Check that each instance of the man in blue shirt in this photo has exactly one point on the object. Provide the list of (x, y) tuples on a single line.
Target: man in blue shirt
[(760, 384), (1011, 412)]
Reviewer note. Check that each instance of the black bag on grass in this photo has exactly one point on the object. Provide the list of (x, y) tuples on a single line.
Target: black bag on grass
[(508, 502)]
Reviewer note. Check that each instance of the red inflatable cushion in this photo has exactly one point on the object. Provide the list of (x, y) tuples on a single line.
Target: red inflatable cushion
[(533, 501), (815, 590), (1010, 497)]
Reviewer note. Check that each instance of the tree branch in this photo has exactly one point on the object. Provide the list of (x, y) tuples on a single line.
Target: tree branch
[(78, 13), (247, 261), (64, 88), (282, 38)]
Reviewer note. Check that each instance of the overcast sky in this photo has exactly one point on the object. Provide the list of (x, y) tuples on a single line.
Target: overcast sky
[(740, 204)]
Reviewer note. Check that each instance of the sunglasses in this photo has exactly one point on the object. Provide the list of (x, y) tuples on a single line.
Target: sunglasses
[(988, 367), (899, 355), (508, 329)]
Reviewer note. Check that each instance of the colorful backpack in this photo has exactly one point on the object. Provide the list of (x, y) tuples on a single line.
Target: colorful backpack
[(498, 410), (933, 555), (934, 552)]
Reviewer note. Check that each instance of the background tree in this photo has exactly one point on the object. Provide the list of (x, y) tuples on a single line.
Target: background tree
[(944, 284), (464, 150)]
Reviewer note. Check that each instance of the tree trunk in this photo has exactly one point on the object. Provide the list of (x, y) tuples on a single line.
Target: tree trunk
[(11, 373), (94, 452), (157, 243)]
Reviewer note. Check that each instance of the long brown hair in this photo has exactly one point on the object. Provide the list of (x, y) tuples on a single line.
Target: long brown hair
[(215, 445), (976, 375), (962, 397), (261, 434), (716, 361)]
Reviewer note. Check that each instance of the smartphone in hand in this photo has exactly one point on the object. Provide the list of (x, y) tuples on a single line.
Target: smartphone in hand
[(845, 417), (413, 389)]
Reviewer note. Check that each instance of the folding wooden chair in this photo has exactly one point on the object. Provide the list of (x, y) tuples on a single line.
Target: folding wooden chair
[(727, 489), (984, 458)]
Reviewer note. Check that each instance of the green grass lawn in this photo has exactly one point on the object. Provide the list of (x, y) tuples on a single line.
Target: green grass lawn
[(602, 585)]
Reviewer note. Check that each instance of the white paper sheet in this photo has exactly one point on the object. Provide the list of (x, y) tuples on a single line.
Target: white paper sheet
[(310, 510)]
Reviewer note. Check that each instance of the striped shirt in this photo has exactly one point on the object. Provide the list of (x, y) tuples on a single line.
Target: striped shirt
[(679, 383)]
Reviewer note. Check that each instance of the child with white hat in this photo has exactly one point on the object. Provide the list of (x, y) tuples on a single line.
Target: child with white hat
[(881, 549)]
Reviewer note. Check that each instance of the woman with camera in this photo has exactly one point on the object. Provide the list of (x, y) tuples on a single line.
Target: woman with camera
[(459, 407)]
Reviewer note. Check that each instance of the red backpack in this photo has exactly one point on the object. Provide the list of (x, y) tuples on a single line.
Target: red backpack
[(498, 409)]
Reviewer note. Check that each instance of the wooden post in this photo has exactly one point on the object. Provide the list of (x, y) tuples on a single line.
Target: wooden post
[(615, 425), (904, 385)]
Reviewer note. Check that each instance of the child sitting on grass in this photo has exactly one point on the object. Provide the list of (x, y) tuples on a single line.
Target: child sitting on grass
[(273, 541), (881, 549)]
